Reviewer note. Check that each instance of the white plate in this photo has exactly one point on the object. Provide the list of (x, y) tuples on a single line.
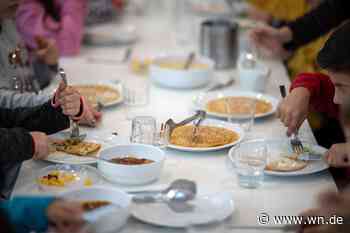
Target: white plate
[(281, 147), (312, 167), (111, 34), (202, 99), (114, 221), (116, 86), (104, 138), (82, 171), (210, 122), (207, 209)]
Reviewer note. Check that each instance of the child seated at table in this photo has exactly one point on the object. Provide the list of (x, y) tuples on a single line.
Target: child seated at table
[(35, 214), (321, 92), (39, 65), (332, 203), (23, 132), (62, 21)]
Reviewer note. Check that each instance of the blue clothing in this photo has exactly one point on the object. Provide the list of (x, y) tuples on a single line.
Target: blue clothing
[(27, 214)]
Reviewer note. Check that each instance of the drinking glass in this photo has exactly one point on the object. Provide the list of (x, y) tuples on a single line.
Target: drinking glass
[(249, 160), (245, 120), (144, 130), (136, 98)]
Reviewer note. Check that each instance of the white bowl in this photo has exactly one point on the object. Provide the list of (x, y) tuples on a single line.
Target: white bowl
[(112, 222), (83, 172), (185, 79), (131, 174)]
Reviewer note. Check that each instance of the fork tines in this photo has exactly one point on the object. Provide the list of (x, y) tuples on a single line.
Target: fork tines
[(297, 146)]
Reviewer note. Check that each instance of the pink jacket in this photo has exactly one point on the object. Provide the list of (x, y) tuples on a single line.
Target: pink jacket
[(32, 21)]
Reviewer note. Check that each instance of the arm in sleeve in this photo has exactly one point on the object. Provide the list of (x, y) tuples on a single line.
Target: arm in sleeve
[(328, 15), (44, 118), (11, 99), (27, 214), (32, 20), (322, 92), (16, 144)]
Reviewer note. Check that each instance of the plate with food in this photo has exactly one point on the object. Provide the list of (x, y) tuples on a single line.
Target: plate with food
[(212, 135), (68, 151), (108, 93), (58, 178), (235, 104), (283, 161), (98, 197)]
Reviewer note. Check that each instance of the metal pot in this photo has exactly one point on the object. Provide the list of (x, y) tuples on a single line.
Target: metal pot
[(219, 41)]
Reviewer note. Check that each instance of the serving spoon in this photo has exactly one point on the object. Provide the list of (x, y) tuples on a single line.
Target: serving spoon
[(175, 196), (172, 125)]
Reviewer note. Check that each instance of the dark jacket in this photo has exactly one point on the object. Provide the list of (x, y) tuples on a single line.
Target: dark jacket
[(16, 143), (318, 22)]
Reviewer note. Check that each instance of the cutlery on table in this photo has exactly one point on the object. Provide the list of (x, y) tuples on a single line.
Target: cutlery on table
[(295, 142), (309, 156), (189, 60), (172, 125), (219, 86), (197, 124), (127, 55), (75, 132), (175, 196)]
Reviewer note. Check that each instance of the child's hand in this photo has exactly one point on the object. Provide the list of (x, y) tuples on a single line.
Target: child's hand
[(65, 215)]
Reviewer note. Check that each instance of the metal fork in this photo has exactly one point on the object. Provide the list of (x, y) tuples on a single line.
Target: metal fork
[(75, 132), (295, 142)]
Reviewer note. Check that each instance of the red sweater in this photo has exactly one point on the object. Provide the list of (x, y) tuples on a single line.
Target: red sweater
[(322, 92)]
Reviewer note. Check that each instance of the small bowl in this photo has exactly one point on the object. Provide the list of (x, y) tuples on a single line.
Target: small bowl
[(87, 176), (180, 78), (131, 174), (109, 223)]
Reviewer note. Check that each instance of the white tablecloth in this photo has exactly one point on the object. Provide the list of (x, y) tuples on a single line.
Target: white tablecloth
[(277, 196)]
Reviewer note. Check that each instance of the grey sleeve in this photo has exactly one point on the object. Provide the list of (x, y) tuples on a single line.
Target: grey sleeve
[(11, 99), (43, 73)]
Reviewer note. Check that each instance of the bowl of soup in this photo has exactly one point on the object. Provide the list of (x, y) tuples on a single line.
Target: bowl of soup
[(169, 71), (131, 164)]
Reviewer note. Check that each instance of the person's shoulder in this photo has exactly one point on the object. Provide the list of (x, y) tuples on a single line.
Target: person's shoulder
[(8, 28)]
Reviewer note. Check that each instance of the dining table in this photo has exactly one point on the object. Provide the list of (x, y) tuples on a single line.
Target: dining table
[(277, 196)]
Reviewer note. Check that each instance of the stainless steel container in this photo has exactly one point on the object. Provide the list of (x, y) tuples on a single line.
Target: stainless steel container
[(219, 41)]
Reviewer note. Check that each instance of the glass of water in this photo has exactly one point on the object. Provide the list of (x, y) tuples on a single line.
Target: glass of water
[(145, 130), (136, 97), (249, 159)]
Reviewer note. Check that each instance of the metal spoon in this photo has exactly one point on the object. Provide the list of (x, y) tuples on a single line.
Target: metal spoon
[(176, 195), (189, 60), (75, 132)]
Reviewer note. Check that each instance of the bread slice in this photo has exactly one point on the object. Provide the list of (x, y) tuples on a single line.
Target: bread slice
[(79, 149), (286, 164)]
